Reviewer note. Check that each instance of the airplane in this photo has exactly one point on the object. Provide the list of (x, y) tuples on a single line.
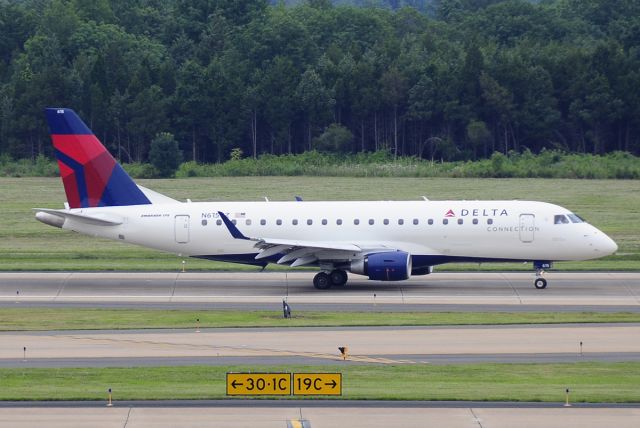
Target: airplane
[(382, 240)]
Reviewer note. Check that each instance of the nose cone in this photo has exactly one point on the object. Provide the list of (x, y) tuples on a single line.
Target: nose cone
[(607, 245), (601, 243)]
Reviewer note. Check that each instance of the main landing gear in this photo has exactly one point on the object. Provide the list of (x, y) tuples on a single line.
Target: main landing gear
[(324, 280)]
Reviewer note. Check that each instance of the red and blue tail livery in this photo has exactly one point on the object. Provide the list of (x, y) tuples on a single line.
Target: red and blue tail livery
[(91, 176)]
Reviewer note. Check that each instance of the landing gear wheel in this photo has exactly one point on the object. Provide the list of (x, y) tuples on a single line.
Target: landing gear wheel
[(338, 277), (540, 283), (322, 281)]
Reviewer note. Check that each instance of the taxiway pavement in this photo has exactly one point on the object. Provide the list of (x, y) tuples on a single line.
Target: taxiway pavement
[(377, 345), (319, 414)]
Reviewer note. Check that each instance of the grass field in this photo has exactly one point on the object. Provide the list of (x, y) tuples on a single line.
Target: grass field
[(20, 319), (26, 244), (588, 382)]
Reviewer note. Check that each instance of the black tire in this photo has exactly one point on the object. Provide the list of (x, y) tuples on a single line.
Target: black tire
[(338, 277), (540, 283), (322, 281)]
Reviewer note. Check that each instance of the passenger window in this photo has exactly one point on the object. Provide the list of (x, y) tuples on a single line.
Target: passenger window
[(324, 221), (234, 221), (416, 221), (445, 221), (247, 222), (204, 222), (356, 221), (371, 221), (560, 219), (490, 221), (400, 221), (294, 221), (219, 222), (263, 222), (430, 221), (385, 221), (279, 222), (475, 221), (460, 221), (309, 221), (339, 221)]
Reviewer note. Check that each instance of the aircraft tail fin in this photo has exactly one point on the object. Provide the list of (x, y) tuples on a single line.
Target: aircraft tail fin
[(91, 176)]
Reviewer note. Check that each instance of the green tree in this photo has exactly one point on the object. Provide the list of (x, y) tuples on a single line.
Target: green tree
[(394, 88), (478, 135), (499, 102), (315, 101), (269, 76), (335, 139), (165, 154), (190, 99), (277, 89)]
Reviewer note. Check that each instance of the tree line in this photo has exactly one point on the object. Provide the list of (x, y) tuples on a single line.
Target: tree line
[(461, 82)]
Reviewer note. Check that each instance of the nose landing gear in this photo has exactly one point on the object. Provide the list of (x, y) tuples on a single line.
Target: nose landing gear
[(540, 283)]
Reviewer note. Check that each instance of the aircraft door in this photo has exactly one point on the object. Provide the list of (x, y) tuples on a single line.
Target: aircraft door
[(182, 229), (527, 227)]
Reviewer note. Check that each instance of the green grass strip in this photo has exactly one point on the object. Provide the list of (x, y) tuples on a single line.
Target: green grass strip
[(23, 319), (588, 382), (26, 244)]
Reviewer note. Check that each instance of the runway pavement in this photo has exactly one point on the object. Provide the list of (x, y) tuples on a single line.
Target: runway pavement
[(367, 345), (320, 414), (602, 291)]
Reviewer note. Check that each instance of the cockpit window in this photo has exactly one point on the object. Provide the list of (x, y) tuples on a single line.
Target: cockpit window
[(575, 218), (560, 219)]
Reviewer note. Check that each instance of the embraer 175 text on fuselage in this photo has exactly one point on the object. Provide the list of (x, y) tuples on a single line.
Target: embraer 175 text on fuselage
[(385, 241)]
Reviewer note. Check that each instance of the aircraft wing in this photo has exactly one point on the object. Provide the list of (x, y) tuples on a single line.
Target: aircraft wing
[(301, 252)]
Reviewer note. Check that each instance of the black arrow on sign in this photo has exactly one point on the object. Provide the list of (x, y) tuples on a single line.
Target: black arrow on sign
[(333, 384), (235, 383)]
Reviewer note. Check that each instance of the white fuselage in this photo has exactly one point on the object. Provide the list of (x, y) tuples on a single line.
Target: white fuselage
[(438, 231)]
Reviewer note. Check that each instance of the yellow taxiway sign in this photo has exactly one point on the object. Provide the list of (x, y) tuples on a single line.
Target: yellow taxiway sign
[(258, 383), (317, 384)]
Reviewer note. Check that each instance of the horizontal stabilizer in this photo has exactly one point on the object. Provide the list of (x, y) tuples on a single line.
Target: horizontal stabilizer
[(57, 218)]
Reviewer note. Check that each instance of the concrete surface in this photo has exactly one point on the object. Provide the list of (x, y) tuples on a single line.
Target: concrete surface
[(503, 289), (264, 416), (393, 345)]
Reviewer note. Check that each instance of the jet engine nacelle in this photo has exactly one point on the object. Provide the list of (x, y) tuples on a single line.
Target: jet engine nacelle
[(389, 266)]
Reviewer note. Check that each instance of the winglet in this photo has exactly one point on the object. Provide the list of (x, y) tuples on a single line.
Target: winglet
[(298, 198), (233, 230)]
